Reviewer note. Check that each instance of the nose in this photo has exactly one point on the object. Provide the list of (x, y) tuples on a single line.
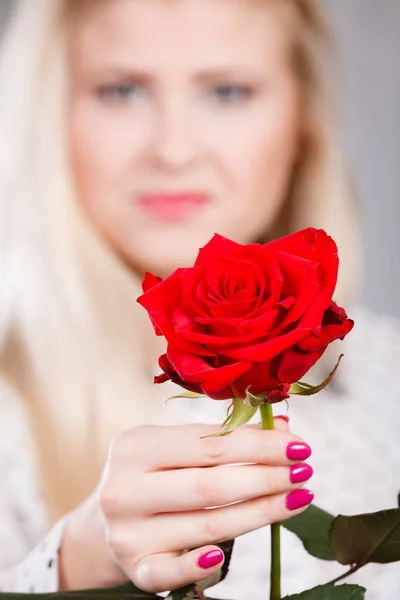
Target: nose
[(174, 146)]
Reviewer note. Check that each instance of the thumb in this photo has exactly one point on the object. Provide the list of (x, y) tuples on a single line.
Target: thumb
[(170, 571)]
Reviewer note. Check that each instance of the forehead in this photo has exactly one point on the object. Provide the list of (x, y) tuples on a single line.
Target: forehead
[(179, 32)]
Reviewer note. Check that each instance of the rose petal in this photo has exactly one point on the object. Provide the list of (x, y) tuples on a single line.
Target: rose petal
[(335, 325), (171, 375), (265, 351), (259, 379), (161, 302), (302, 283), (294, 363), (278, 394), (194, 369), (193, 279), (216, 343), (150, 281), (217, 246), (271, 348), (313, 244)]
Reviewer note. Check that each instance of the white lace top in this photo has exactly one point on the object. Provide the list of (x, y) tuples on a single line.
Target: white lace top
[(356, 459)]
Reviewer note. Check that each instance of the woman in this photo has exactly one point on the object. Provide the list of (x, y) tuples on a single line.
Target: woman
[(140, 129)]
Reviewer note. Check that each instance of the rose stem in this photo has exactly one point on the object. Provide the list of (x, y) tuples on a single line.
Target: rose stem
[(267, 420)]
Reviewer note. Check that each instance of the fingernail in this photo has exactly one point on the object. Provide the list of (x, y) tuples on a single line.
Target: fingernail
[(298, 451), (284, 417), (300, 473), (210, 559), (298, 499)]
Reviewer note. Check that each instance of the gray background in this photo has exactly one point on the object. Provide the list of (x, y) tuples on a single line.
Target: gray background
[(368, 42)]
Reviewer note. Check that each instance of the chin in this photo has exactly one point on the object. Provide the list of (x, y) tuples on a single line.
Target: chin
[(162, 260), (161, 252)]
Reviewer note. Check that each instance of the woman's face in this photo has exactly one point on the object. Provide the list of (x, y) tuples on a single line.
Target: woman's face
[(183, 123)]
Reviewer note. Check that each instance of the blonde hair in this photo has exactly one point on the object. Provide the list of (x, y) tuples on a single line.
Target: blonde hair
[(72, 337)]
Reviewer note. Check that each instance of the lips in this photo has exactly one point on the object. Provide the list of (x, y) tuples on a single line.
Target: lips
[(173, 207)]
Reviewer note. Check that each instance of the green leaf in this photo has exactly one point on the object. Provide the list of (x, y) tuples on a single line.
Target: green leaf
[(227, 549), (331, 592), (313, 527), (371, 537), (185, 593), (122, 592)]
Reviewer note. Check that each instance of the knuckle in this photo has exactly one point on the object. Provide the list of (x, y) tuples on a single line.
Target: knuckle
[(280, 443), (116, 500), (131, 442), (109, 499), (213, 529), (117, 541), (264, 481), (266, 512), (124, 542), (260, 447), (213, 450), (274, 509), (208, 487), (120, 447), (292, 437)]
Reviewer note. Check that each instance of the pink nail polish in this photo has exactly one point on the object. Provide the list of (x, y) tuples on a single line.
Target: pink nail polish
[(298, 451), (301, 472), (298, 499), (210, 559)]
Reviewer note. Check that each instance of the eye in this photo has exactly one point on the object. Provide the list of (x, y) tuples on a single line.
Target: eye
[(231, 94), (123, 92)]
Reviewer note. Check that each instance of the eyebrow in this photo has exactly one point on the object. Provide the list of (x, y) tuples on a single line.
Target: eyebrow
[(231, 71), (118, 71), (205, 75)]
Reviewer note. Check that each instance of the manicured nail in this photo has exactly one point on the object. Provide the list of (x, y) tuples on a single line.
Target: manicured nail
[(301, 472), (284, 417), (210, 559), (298, 451), (298, 499)]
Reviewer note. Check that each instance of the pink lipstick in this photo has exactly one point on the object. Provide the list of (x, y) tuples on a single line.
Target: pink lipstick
[(173, 207)]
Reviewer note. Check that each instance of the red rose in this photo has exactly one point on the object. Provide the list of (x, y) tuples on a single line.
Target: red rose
[(258, 315)]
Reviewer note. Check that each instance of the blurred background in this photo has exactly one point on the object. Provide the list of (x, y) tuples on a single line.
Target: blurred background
[(368, 46)]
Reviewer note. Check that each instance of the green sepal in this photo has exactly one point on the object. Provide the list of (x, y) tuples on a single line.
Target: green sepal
[(252, 400), (189, 395), (239, 413), (301, 388)]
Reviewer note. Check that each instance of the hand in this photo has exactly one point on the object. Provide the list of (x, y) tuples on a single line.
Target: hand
[(150, 506)]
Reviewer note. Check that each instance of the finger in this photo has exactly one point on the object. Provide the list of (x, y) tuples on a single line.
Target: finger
[(208, 487), (281, 423), (178, 531), (165, 572), (192, 446)]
